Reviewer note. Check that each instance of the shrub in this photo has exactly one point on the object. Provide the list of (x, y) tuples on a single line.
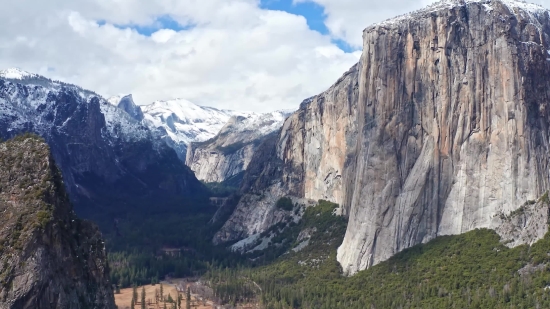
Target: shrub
[(285, 203)]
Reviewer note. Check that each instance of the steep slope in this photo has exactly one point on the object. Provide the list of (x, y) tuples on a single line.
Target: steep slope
[(230, 151), (182, 122), (110, 161), (127, 104), (305, 160), (453, 106), (48, 257)]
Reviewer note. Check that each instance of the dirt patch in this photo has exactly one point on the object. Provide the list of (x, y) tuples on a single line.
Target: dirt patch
[(124, 299)]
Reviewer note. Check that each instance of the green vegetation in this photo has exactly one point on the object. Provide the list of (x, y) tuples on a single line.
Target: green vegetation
[(285, 203), (473, 270), (220, 189)]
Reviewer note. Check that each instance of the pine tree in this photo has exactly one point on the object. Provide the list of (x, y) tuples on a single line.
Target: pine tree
[(134, 293), (188, 299), (161, 293), (132, 305), (179, 301), (143, 298)]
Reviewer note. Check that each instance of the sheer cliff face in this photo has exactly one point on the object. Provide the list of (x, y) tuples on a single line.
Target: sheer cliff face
[(306, 159), (453, 117), (228, 154), (48, 257)]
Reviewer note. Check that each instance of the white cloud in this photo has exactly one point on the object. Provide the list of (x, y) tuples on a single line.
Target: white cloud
[(346, 19), (236, 56)]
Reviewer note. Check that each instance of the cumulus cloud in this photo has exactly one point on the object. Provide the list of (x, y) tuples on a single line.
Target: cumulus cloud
[(228, 54), (346, 19), (224, 53)]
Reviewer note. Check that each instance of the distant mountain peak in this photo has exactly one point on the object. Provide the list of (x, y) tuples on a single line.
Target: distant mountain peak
[(16, 73)]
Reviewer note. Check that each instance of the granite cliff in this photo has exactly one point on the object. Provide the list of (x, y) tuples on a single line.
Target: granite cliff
[(305, 160), (453, 128), (440, 129), (49, 258), (228, 154)]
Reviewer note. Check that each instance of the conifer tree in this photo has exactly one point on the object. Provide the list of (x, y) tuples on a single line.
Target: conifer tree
[(134, 294), (143, 298), (188, 299)]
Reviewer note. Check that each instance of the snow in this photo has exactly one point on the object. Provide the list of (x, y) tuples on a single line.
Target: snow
[(187, 122), (531, 9), (14, 73), (114, 100), (23, 106)]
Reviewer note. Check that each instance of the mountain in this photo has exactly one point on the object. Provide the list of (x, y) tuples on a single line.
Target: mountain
[(305, 161), (110, 161), (442, 128), (49, 257), (127, 104), (179, 121), (228, 154)]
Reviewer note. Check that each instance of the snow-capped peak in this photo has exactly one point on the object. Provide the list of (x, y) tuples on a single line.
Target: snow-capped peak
[(489, 5), (114, 100), (15, 73), (187, 122)]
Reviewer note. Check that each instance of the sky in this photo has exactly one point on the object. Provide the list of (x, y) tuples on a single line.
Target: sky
[(256, 55)]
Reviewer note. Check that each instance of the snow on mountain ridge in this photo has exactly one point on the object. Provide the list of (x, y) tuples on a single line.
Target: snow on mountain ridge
[(513, 5), (15, 73), (38, 111), (187, 122)]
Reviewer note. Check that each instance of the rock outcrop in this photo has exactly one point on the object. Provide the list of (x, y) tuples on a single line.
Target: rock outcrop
[(127, 104), (228, 154), (305, 160), (453, 125), (525, 225), (48, 257)]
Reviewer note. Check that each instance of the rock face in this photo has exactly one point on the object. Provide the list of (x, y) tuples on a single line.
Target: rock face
[(228, 154), (526, 224), (108, 158), (441, 128), (48, 257), (453, 125), (305, 160), (127, 104)]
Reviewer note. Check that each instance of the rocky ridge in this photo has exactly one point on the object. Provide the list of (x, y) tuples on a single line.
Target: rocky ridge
[(182, 122), (228, 154), (48, 257), (107, 157)]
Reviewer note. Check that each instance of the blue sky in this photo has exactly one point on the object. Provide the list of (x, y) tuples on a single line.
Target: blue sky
[(313, 13)]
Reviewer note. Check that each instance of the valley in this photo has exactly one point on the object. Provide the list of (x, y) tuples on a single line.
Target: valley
[(419, 179)]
